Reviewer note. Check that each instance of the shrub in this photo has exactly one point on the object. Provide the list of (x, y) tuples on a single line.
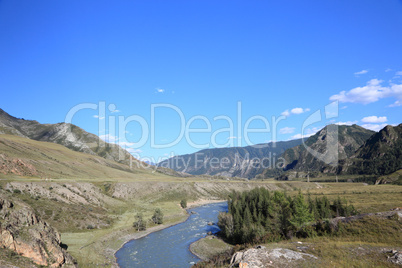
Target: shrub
[(183, 203), (139, 223), (157, 218)]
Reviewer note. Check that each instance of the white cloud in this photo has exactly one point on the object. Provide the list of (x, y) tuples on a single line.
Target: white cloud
[(99, 117), (388, 70), (372, 92), (361, 72), (299, 136), (232, 138), (396, 104), (121, 142), (374, 119), (344, 107), (399, 73), (125, 144), (115, 111), (287, 130), (133, 151), (375, 127), (296, 110), (160, 90), (347, 123), (109, 138), (307, 133)]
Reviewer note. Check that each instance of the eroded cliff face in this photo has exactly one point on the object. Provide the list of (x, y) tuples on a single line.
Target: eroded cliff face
[(25, 233)]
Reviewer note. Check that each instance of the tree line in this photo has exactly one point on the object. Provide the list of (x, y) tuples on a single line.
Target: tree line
[(261, 216)]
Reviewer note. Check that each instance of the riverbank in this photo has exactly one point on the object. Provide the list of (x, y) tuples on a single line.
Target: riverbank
[(141, 234)]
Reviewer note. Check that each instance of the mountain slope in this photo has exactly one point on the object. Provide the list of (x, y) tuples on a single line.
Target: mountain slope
[(22, 157), (243, 162), (350, 138), (381, 154), (67, 135)]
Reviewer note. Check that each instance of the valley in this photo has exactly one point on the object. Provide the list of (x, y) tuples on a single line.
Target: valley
[(91, 201)]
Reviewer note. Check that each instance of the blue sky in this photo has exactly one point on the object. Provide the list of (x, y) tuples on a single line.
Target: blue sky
[(203, 57)]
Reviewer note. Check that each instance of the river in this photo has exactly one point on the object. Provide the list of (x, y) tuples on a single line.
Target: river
[(170, 247)]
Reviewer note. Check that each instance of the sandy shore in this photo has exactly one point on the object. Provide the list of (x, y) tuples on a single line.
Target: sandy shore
[(141, 234), (203, 202)]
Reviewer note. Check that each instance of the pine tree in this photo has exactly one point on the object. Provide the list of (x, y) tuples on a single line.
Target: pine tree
[(301, 212)]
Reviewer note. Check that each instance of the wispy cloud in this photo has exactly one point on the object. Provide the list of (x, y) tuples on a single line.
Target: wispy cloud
[(232, 138), (307, 133), (99, 117), (371, 92), (374, 119), (374, 127), (134, 151), (121, 142), (296, 110), (109, 138), (115, 111), (347, 123), (396, 104), (361, 72), (287, 130), (388, 70), (399, 73), (160, 90)]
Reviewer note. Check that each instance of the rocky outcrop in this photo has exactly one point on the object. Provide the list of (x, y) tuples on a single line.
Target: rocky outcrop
[(25, 233), (396, 257), (261, 257), (16, 166)]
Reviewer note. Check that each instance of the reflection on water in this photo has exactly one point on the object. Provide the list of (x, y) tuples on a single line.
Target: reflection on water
[(170, 247)]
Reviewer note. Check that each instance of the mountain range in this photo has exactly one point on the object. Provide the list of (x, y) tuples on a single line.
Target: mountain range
[(243, 162), (26, 150)]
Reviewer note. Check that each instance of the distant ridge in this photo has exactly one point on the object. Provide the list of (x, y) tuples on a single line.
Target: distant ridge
[(239, 160)]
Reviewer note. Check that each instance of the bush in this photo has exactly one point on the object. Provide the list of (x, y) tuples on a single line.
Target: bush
[(183, 203), (16, 191), (157, 218), (139, 223)]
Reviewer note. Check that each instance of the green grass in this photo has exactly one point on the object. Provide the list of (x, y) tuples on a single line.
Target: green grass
[(208, 247)]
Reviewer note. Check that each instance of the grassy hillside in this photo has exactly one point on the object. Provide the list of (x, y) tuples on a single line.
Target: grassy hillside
[(21, 157), (68, 135)]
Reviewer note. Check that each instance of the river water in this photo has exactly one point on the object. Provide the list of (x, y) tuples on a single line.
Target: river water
[(170, 247)]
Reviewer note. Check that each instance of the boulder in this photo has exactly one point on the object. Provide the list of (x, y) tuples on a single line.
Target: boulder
[(396, 257), (263, 257)]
